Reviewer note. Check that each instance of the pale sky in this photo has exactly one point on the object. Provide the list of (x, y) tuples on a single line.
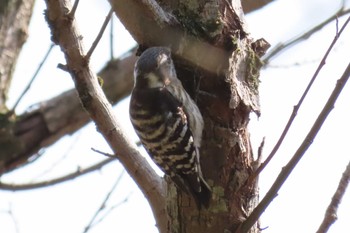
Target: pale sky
[(301, 202)]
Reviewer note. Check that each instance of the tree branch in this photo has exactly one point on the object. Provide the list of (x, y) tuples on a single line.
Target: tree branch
[(65, 33), (150, 25), (286, 171), (296, 107), (104, 203), (80, 172), (43, 125), (281, 47), (331, 212), (100, 34), (32, 79)]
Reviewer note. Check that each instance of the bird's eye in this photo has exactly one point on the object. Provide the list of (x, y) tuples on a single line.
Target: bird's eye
[(164, 59)]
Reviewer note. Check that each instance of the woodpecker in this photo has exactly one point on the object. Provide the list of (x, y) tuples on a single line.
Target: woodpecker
[(168, 122)]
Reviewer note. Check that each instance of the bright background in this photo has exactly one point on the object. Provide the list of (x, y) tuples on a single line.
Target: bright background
[(301, 202)]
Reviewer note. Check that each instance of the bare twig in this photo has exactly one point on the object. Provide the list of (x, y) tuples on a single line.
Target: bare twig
[(74, 9), (260, 154), (296, 107), (331, 212), (99, 36), (107, 212), (103, 153), (286, 171), (80, 172), (65, 154), (103, 204), (160, 28), (280, 47), (12, 216), (111, 39), (33, 78)]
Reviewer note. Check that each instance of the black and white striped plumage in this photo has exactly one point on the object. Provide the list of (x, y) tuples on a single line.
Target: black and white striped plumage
[(168, 122)]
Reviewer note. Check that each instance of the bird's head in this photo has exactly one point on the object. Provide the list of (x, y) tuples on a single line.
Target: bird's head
[(154, 68)]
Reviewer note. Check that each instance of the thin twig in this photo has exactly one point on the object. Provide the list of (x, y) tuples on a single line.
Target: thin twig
[(65, 154), (33, 78), (12, 216), (103, 153), (103, 204), (296, 107), (107, 212), (62, 67), (260, 154), (99, 36), (111, 39), (43, 184), (287, 170), (331, 212), (280, 47), (74, 9)]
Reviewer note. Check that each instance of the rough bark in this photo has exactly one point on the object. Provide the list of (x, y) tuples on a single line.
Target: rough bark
[(23, 136), (14, 21), (218, 64)]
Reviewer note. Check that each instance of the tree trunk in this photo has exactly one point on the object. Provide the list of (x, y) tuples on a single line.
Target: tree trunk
[(14, 21), (218, 65)]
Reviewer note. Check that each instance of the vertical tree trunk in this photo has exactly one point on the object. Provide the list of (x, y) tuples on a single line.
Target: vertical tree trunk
[(218, 65), (14, 21), (226, 99)]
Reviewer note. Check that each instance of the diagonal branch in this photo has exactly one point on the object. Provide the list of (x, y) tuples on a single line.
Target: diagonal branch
[(286, 171), (104, 202), (32, 79), (296, 107), (331, 212), (80, 172), (150, 25), (281, 47), (100, 34), (65, 34), (43, 125)]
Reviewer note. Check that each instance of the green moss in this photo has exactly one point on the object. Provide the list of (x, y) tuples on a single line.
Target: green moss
[(189, 20), (201, 21), (235, 44), (190, 4), (253, 70), (220, 205), (211, 19), (100, 80)]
